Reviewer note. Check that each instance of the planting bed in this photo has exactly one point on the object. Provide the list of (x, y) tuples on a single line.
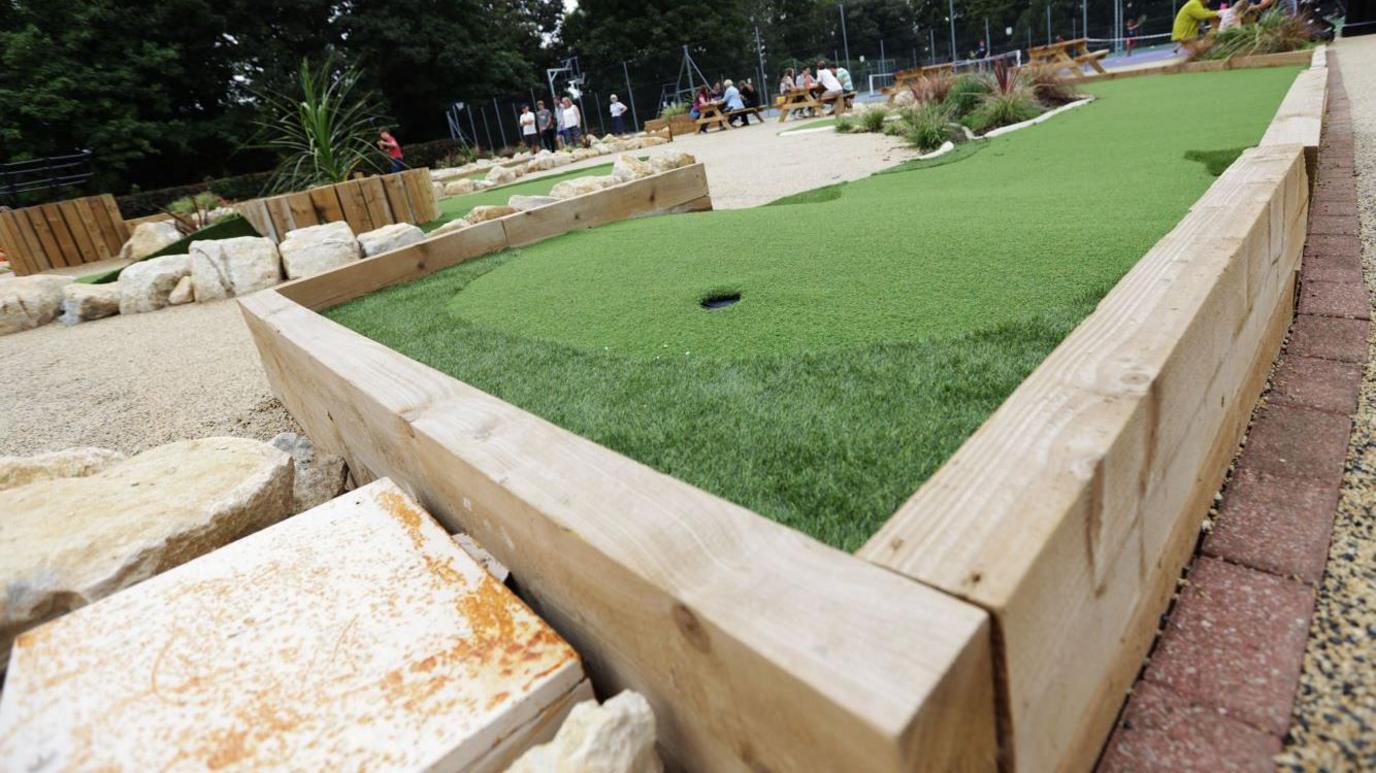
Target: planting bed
[(998, 615), (881, 321)]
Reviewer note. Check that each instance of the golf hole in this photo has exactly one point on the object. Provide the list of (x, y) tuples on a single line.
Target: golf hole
[(718, 300)]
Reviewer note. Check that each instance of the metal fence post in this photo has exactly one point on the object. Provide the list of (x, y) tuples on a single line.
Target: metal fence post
[(497, 113), (630, 95)]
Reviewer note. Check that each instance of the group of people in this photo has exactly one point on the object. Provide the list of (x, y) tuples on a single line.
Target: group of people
[(540, 129), (828, 84), (737, 102), (1186, 30)]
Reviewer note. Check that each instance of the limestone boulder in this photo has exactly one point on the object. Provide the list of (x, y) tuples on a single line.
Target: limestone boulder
[(616, 737), (183, 293), (501, 175), (224, 268), (83, 302), (310, 250), (458, 187), (318, 476), (148, 238), (67, 463), (523, 203), (585, 153), (651, 140), (30, 301), (602, 148), (488, 212), (146, 285), (581, 185), (674, 159), (629, 168), (482, 185), (388, 238), (69, 541), (457, 224)]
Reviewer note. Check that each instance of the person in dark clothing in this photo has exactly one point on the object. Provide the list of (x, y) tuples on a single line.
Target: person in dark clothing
[(544, 123), (751, 99)]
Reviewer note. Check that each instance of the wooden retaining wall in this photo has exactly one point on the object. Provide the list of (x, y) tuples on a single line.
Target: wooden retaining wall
[(1284, 59), (61, 234), (758, 647), (365, 204)]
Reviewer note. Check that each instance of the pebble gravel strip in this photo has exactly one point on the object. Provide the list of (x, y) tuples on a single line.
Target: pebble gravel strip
[(1334, 719)]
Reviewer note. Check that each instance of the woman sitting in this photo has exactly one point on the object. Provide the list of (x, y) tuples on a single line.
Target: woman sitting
[(699, 102)]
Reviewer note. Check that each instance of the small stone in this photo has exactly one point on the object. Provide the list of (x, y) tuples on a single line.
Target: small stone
[(580, 186), (83, 302), (67, 463), (30, 301), (458, 187), (319, 476), (313, 249), (489, 562), (146, 285), (488, 212), (674, 159), (183, 293), (457, 224), (501, 175), (388, 238), (482, 185), (223, 268), (524, 203), (616, 737), (148, 238), (629, 168)]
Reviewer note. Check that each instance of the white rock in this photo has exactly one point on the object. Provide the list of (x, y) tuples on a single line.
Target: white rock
[(310, 250), (148, 238), (184, 292), (82, 302), (146, 285), (388, 238), (488, 212), (458, 187), (500, 175), (673, 159), (651, 140), (522, 203), (223, 268), (544, 153), (437, 189), (67, 463), (456, 224), (482, 185), (629, 168), (70, 541), (580, 185), (30, 301), (319, 476), (601, 148), (585, 153), (616, 737)]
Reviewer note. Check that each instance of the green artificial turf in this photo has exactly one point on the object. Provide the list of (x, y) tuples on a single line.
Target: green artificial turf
[(458, 206), (818, 124), (880, 321)]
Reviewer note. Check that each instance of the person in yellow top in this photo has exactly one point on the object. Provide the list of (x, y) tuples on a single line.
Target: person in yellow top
[(1186, 30)]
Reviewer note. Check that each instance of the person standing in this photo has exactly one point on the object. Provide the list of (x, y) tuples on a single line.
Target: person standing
[(528, 134), (618, 111), (1185, 31), (573, 124), (544, 125), (389, 145), (1133, 26)]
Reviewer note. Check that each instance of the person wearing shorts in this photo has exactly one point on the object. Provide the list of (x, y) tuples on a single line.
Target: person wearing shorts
[(529, 136), (573, 124), (1185, 31)]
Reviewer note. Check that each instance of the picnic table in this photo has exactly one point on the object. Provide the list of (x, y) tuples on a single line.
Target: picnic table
[(905, 79), (801, 99), (1069, 55), (711, 114)]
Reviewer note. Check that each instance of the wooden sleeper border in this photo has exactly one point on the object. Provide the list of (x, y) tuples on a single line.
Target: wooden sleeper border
[(999, 616)]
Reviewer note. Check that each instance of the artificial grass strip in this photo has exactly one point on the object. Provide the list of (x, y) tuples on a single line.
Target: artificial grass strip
[(458, 206), (1216, 161), (880, 322), (818, 124)]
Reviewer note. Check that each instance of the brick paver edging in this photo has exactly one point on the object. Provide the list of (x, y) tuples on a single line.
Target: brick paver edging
[(1218, 687)]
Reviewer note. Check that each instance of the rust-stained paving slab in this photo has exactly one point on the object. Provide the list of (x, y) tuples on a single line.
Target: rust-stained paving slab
[(354, 636)]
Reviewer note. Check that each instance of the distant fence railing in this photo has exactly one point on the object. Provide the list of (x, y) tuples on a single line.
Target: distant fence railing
[(365, 204), (62, 234), (43, 174)]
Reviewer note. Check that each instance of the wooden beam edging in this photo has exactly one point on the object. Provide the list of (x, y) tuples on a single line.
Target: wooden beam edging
[(1283, 59), (1070, 512), (759, 647), (1299, 119)]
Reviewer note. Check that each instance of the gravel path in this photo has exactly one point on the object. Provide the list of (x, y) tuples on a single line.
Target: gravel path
[(131, 383), (1335, 710)]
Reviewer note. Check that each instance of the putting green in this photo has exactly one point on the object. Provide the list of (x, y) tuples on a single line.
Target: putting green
[(879, 322)]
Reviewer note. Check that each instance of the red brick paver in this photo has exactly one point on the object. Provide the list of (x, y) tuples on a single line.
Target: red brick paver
[(1163, 731), (1277, 525), (1329, 338)]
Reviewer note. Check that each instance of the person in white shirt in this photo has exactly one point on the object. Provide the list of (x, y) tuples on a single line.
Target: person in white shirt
[(618, 111), (831, 85), (573, 124), (843, 75), (528, 133)]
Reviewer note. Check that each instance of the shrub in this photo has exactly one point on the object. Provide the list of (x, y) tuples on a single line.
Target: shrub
[(965, 93), (240, 188), (1275, 32), (1048, 87), (933, 88), (872, 120), (846, 124), (1002, 109), (675, 109), (928, 125), (188, 205), (435, 153)]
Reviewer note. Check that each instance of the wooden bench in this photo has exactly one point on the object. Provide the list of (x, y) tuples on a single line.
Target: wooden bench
[(798, 99), (1068, 55), (747, 112), (711, 115)]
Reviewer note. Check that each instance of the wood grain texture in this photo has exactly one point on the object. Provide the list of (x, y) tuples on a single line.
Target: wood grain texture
[(81, 236), (112, 223), (375, 199), (398, 201), (326, 201), (68, 255), (1062, 513), (38, 226), (1299, 119), (355, 210)]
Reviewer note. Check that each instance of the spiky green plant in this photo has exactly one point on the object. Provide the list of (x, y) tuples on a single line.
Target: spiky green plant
[(927, 125), (324, 132), (1002, 108), (872, 120), (966, 91), (1275, 32), (846, 124), (674, 109)]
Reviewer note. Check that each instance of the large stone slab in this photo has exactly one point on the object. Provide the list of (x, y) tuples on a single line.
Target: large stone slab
[(30, 301), (148, 238), (67, 463), (356, 636), (83, 302), (388, 238), (146, 285), (223, 268), (313, 249), (66, 542)]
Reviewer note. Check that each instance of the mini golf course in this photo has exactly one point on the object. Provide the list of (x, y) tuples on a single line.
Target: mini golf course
[(877, 324)]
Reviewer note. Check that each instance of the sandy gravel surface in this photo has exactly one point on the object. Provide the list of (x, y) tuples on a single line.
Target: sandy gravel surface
[(134, 382), (1334, 719)]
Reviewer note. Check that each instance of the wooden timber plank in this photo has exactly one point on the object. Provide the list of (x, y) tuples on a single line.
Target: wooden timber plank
[(91, 222), (1061, 515), (397, 200), (112, 223), (648, 194), (302, 209), (355, 211), (24, 227), (1299, 119), (66, 245), (718, 616), (375, 198), (326, 201), (280, 213), (85, 245), (421, 194), (14, 246), (52, 253), (256, 213)]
